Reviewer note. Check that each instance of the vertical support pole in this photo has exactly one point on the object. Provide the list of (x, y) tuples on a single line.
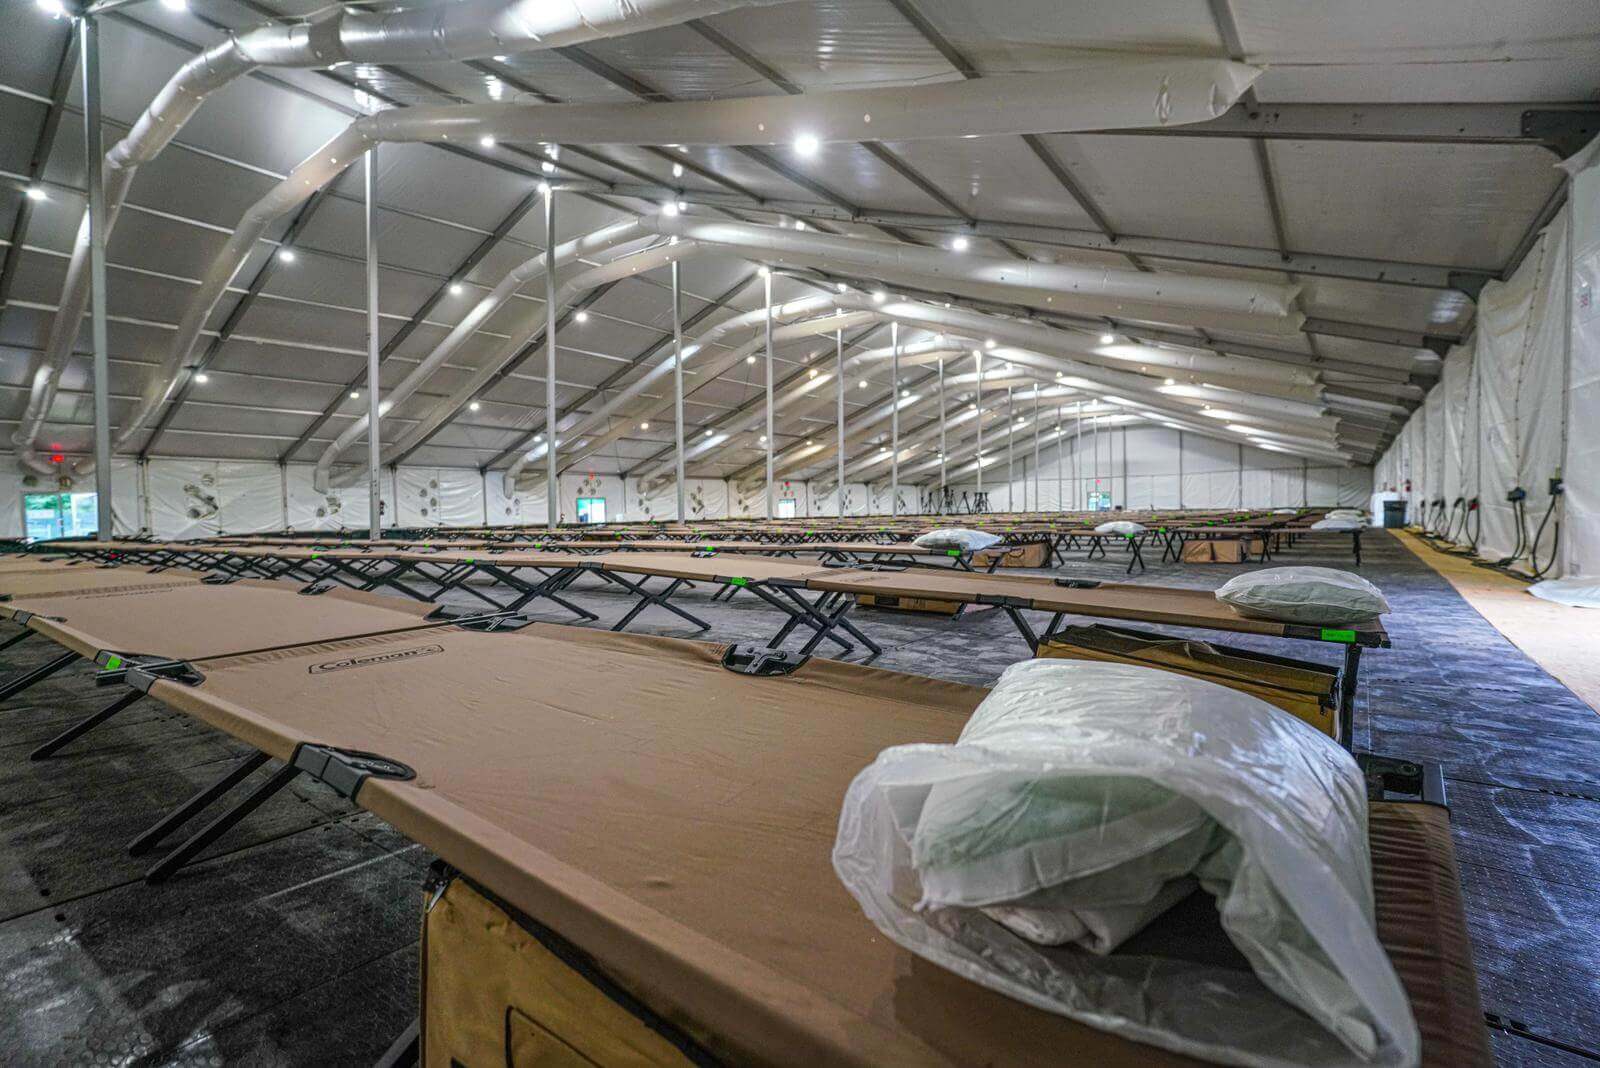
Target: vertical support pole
[(977, 357), (552, 493), (1036, 507), (677, 385), (838, 426), (1061, 501), (374, 411), (770, 509), (894, 419), (1077, 457), (1011, 455), (941, 432), (94, 153)]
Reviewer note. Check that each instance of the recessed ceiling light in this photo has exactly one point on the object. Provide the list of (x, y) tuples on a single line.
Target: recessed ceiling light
[(486, 141), (547, 167), (36, 192), (501, 59), (644, 426), (455, 289), (580, 316), (175, 5), (960, 244), (709, 433), (677, 170), (1106, 339), (749, 359), (355, 394), (473, 406), (862, 384), (806, 145), (669, 209), (286, 255), (201, 377), (52, 8), (988, 342), (879, 296)]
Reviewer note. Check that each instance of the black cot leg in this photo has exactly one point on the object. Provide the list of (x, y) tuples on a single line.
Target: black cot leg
[(16, 639), (406, 1050), (1347, 695), (192, 807), (38, 674), (1355, 539), (1023, 627), (219, 826), (84, 726)]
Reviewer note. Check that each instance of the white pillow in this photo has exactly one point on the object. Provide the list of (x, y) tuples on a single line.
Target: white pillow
[(1285, 511), (1120, 526), (1346, 513), (1316, 595), (1339, 523), (957, 538)]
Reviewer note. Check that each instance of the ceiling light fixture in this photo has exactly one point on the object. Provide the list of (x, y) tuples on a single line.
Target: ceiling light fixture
[(455, 289), (473, 406), (286, 255), (806, 145), (1106, 339), (960, 244), (486, 141), (677, 170), (644, 426), (581, 316), (669, 209), (36, 192), (201, 377), (355, 394)]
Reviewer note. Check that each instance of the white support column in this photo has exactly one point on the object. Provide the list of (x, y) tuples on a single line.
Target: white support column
[(677, 386), (89, 47), (1061, 501), (771, 511), (1036, 507), (838, 426), (977, 404), (374, 410), (894, 419), (941, 433), (552, 493), (1011, 455)]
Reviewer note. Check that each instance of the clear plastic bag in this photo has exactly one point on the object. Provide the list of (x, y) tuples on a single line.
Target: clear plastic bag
[(1339, 522), (1120, 526), (1314, 595), (1575, 591), (957, 538), (1081, 799)]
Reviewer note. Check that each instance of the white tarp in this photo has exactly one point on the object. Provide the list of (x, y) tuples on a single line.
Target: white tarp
[(1460, 443), (1520, 375), (1581, 523), (439, 497), (1433, 456)]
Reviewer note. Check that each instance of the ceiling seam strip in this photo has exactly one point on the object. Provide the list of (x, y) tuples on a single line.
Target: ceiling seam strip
[(663, 339), (512, 218), (38, 161)]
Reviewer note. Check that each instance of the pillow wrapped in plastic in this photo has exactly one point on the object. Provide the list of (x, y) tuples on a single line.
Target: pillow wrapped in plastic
[(957, 538), (1339, 523), (1120, 526), (1575, 592), (1081, 801), (1315, 595)]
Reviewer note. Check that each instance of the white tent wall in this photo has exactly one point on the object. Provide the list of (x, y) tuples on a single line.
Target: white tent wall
[(1494, 422), (1581, 521), (1154, 467), (1433, 456), (439, 496)]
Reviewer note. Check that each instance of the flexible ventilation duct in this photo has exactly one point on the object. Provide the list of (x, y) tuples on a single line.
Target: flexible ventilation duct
[(467, 29), (1090, 95)]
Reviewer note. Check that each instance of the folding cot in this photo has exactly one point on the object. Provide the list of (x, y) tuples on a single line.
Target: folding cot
[(663, 810)]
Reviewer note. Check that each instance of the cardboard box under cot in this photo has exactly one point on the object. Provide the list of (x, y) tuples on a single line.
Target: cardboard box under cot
[(1029, 554), (1220, 551), (1304, 690), (928, 605)]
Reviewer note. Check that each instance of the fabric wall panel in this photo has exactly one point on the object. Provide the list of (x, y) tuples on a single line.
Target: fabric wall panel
[(338, 509), (1581, 469), (1257, 488), (435, 496), (1322, 486), (1355, 487), (252, 497)]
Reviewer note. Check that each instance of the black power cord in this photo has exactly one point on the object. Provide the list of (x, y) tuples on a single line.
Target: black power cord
[(1557, 488)]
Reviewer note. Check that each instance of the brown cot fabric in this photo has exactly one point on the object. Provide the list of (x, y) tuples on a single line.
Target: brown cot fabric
[(1422, 924), (18, 565), (194, 621), (707, 568), (103, 580), (671, 818)]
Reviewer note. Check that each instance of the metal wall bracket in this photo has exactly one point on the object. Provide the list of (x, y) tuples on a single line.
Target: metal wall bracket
[(1563, 132)]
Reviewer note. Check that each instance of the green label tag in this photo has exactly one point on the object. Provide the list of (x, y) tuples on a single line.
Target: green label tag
[(708, 548), (113, 662), (1346, 636), (952, 552), (740, 581)]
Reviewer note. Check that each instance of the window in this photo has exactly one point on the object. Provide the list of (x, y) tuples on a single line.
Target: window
[(591, 509), (59, 515), (786, 508), (1099, 501)]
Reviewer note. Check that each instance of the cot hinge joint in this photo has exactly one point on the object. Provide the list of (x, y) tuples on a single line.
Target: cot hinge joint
[(750, 659), (344, 770), (141, 672)]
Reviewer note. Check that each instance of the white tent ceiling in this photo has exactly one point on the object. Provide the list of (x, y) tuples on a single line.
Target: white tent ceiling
[(1372, 227)]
